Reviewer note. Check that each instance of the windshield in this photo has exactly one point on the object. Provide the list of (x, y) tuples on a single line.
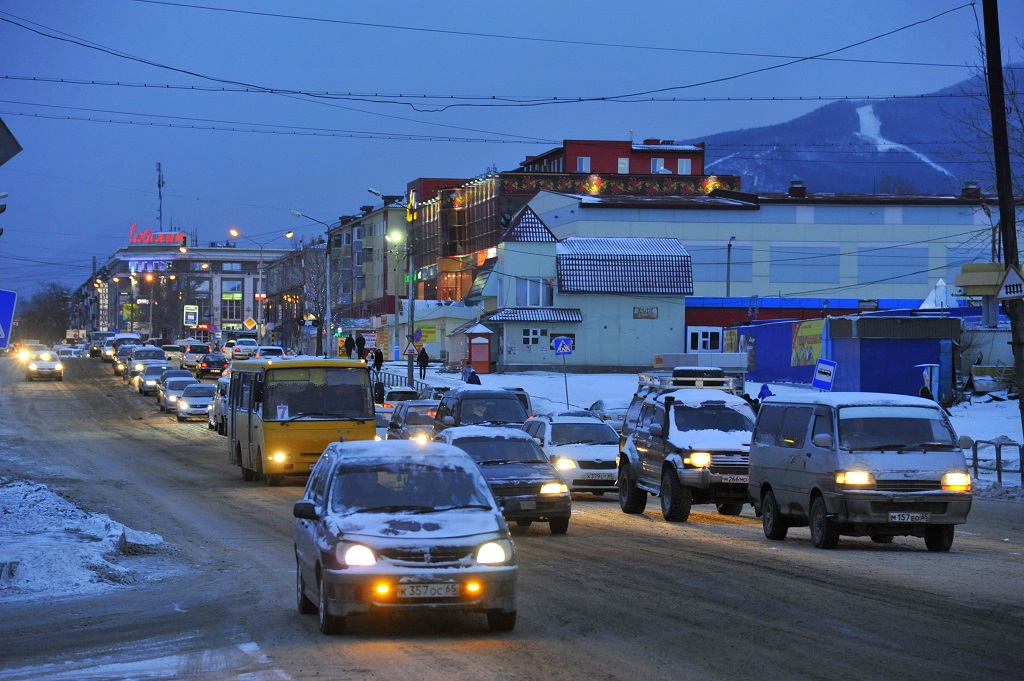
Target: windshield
[(342, 392), (492, 410), (407, 485), (180, 384), (495, 449), (45, 356), (199, 390), (894, 427), (711, 416), (583, 433)]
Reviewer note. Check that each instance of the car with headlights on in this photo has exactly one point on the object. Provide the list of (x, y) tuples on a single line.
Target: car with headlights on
[(169, 392), (148, 381), (412, 420), (582, 448), (195, 401), (526, 485), (400, 527), (122, 357), (44, 364), (140, 355)]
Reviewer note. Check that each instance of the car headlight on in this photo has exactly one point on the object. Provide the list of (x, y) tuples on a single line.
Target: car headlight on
[(172, 398), (420, 438), (494, 552), (956, 482), (855, 478), (357, 555), (377, 438), (32, 366), (279, 457), (138, 367), (564, 464), (554, 488), (59, 367), (699, 459), (182, 404)]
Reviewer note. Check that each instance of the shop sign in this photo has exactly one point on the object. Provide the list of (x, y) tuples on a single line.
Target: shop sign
[(147, 236)]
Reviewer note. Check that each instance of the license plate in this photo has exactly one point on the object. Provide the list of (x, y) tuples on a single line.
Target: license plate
[(528, 505), (909, 517), (599, 476), (428, 590), (741, 479)]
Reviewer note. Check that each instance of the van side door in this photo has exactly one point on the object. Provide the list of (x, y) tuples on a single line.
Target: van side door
[(819, 469), (793, 443)]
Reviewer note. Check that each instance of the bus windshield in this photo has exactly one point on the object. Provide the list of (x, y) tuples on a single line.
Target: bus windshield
[(317, 392)]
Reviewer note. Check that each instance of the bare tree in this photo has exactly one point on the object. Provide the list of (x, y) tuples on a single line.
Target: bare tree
[(47, 314), (314, 288)]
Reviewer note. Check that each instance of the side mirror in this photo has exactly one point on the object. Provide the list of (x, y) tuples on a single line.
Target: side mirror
[(393, 426), (539, 441), (449, 421), (966, 442), (305, 509), (822, 440)]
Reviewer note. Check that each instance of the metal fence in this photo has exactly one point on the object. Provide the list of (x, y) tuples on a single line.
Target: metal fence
[(998, 445)]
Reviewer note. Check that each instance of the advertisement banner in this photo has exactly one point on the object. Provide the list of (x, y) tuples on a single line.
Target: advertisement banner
[(807, 343)]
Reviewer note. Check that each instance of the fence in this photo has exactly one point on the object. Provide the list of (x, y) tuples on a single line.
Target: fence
[(999, 444)]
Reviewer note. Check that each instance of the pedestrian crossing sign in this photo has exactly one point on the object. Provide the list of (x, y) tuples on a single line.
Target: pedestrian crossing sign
[(563, 345), (410, 350)]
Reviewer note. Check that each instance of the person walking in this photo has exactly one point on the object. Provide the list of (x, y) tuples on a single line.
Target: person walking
[(350, 346), (422, 360), (473, 379), (466, 369), (360, 347), (378, 360)]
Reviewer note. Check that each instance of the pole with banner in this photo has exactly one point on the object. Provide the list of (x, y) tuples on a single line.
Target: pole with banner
[(563, 347)]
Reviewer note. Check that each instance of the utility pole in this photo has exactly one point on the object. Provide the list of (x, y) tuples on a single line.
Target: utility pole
[(160, 194), (410, 216), (1004, 184)]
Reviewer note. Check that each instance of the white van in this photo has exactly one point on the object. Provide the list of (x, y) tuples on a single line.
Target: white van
[(858, 464), (192, 352)]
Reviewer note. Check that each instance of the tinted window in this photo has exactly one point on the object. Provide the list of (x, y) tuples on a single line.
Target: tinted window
[(199, 390), (769, 424), (492, 410), (179, 383), (711, 417), (198, 349), (893, 427), (795, 423), (485, 449)]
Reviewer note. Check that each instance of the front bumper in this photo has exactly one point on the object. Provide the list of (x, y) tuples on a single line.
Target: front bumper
[(194, 412), (46, 373), (534, 506), (870, 507)]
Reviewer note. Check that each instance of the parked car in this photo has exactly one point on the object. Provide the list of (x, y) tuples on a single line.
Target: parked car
[(412, 420), (213, 363), (216, 418), (582, 448), (169, 393), (858, 464), (527, 487), (148, 381), (44, 364), (192, 352), (611, 410), (265, 351), (241, 348), (195, 401), (471, 405), (401, 527)]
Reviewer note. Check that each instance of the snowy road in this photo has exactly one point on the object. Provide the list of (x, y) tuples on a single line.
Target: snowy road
[(618, 597)]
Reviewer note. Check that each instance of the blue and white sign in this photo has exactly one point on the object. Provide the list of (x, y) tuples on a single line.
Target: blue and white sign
[(7, 301), (191, 316), (824, 374), (563, 345)]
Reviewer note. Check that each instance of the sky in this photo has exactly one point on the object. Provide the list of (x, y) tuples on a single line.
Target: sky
[(255, 108)]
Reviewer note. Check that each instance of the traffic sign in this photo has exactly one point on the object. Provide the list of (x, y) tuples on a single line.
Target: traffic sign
[(191, 316), (1011, 286), (563, 345), (249, 323), (7, 301), (824, 374), (410, 350)]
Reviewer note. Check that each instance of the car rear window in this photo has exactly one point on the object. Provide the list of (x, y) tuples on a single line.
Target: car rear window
[(179, 383), (198, 349)]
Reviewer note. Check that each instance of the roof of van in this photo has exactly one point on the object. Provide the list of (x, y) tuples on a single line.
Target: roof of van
[(698, 396), (850, 399)]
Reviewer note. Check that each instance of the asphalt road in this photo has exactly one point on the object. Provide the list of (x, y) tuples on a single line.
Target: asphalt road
[(618, 597)]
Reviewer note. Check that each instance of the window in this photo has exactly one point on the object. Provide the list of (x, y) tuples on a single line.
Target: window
[(231, 266), (704, 339), (794, 427), (534, 293), (623, 166), (657, 165), (583, 164), (231, 300), (685, 166), (533, 336)]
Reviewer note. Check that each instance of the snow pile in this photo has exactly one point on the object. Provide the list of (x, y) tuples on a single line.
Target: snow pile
[(48, 544)]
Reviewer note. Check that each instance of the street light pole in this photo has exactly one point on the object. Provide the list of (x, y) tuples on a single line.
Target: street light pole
[(410, 215), (152, 280), (328, 320)]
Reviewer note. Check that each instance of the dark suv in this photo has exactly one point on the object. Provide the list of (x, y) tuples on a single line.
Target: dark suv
[(471, 406)]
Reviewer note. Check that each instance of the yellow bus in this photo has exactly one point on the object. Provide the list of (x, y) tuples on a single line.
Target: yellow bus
[(281, 414)]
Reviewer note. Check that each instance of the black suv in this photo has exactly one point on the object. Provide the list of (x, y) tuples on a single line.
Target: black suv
[(471, 406)]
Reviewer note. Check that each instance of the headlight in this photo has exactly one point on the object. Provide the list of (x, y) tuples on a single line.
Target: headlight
[(138, 367), (699, 459), (494, 552), (150, 382), (956, 482), (172, 398), (855, 478), (420, 438), (554, 488), (182, 404), (377, 438), (358, 555), (279, 457), (32, 366), (59, 367), (564, 464)]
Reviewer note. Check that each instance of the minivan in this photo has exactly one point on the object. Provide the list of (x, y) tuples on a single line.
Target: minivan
[(191, 353), (858, 464)]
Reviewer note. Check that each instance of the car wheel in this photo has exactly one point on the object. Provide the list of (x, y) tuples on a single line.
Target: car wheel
[(824, 530), (60, 378), (305, 606), (247, 473), (675, 498), (559, 525), (329, 624), (731, 508), (632, 499), (209, 424), (27, 377), (774, 525), (499, 620), (939, 537)]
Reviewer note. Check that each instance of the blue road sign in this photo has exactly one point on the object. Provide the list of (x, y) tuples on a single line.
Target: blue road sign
[(563, 345), (824, 374), (7, 301)]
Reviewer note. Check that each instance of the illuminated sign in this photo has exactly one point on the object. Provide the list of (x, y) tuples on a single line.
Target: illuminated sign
[(147, 236)]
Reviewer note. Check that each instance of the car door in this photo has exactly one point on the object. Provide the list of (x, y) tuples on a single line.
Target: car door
[(308, 531), (643, 440), (793, 447), (819, 469)]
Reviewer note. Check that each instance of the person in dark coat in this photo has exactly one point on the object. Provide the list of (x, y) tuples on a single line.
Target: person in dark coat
[(360, 347), (350, 346), (378, 360), (473, 378), (422, 360), (765, 392)]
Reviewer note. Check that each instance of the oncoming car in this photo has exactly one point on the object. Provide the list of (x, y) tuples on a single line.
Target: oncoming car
[(401, 527), (44, 364), (195, 401)]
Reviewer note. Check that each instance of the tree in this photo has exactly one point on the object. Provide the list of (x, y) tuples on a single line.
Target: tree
[(47, 314), (314, 288)]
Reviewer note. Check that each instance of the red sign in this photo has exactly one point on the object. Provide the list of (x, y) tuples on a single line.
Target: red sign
[(147, 236)]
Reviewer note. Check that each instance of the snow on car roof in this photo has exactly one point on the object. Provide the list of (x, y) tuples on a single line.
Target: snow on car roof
[(369, 451), (492, 432), (851, 399), (699, 396)]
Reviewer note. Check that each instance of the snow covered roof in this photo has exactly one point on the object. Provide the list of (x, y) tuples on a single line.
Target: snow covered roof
[(526, 226), (536, 314), (621, 265)]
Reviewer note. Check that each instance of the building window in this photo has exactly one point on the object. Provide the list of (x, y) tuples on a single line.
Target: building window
[(346, 239), (657, 165), (534, 293), (357, 233), (582, 164), (623, 166), (231, 300), (685, 166), (534, 336), (231, 266), (704, 339)]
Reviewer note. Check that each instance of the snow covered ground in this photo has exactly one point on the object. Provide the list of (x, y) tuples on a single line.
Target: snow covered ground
[(37, 526)]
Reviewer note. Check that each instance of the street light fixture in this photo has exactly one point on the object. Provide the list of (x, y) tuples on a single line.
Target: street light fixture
[(328, 320), (238, 235)]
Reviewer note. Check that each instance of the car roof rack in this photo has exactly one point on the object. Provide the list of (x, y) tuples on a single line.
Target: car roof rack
[(661, 382)]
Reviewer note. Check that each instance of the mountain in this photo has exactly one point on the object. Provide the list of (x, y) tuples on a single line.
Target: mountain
[(899, 146)]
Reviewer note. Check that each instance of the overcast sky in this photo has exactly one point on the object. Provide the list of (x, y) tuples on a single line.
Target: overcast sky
[(236, 155)]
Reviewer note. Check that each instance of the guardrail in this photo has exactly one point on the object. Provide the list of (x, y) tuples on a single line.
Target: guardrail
[(999, 444)]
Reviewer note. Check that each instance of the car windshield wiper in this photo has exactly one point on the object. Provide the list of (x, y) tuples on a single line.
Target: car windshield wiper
[(449, 508), (394, 508), (935, 445), (493, 462), (581, 442), (306, 413), (894, 446)]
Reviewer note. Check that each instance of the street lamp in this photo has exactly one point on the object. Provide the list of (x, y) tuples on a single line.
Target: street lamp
[(728, 267), (235, 233), (150, 277), (388, 200), (328, 320)]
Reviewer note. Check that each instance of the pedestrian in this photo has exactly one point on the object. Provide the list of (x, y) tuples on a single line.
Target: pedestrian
[(350, 346), (765, 392), (422, 360), (926, 393), (473, 379), (378, 360), (466, 369)]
